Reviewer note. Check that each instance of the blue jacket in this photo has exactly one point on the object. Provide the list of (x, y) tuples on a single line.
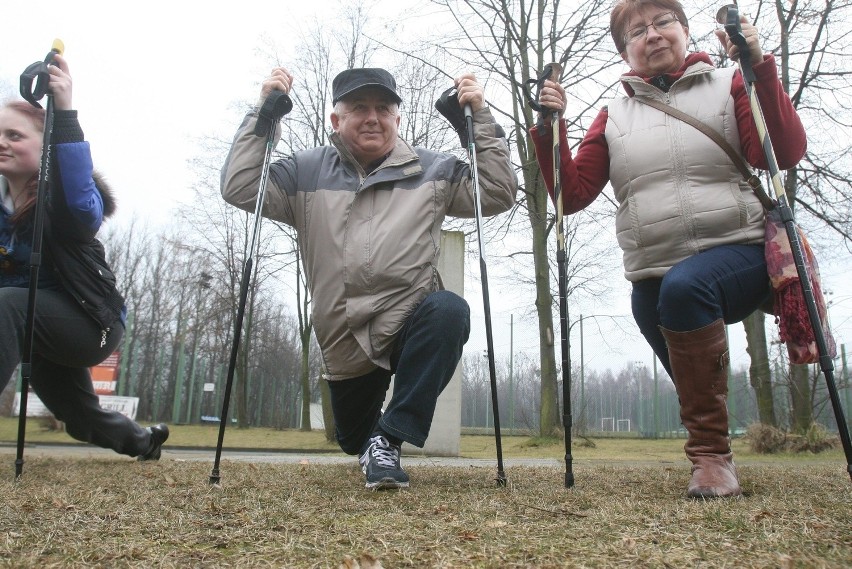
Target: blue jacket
[(77, 202)]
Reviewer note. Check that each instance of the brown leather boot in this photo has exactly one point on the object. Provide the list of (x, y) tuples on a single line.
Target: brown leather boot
[(699, 362)]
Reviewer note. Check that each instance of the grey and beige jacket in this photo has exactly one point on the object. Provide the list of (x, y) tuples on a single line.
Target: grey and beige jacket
[(369, 241)]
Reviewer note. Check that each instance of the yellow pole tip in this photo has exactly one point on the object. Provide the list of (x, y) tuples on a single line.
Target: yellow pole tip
[(58, 46)]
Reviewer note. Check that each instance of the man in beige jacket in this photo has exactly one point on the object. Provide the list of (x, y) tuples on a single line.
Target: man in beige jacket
[(368, 210)]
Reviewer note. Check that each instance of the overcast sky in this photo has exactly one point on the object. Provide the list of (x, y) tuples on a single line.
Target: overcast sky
[(149, 78), (152, 78)]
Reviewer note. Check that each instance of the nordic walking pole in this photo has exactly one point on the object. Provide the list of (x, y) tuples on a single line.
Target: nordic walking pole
[(277, 105), (552, 71), (729, 17), (33, 93), (486, 302), (561, 258)]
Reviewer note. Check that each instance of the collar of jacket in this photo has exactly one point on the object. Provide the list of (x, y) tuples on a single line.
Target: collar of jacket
[(401, 156), (695, 63), (5, 196)]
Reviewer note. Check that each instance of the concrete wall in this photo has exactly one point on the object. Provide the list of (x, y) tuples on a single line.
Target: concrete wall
[(445, 434)]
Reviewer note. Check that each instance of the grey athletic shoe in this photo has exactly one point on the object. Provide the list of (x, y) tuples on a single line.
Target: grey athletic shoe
[(380, 464)]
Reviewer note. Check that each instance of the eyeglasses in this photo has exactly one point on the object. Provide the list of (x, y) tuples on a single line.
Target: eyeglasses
[(660, 23)]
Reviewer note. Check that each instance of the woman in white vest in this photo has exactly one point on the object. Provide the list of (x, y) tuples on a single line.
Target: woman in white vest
[(691, 230)]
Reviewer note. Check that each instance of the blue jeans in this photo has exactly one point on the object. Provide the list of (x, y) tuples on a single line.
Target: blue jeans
[(426, 352), (728, 282)]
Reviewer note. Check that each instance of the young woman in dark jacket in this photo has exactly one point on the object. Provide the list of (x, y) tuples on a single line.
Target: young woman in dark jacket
[(79, 318)]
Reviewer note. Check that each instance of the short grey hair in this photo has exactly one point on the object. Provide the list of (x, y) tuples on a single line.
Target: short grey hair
[(338, 106)]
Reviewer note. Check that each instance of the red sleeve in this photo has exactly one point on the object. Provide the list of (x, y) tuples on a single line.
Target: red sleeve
[(582, 178), (782, 122)]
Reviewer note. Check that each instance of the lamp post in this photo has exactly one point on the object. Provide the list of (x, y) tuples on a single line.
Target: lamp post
[(845, 383), (487, 407), (579, 321), (656, 398), (582, 382), (203, 284), (641, 410), (583, 417), (844, 377), (511, 386), (180, 337)]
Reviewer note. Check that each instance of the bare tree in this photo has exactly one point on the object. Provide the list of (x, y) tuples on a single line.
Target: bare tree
[(141, 263), (759, 372), (814, 40), (126, 254), (222, 236), (810, 40), (510, 42)]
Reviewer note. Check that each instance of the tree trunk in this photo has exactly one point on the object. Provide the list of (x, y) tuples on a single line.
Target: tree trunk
[(240, 385), (306, 382), (801, 411), (537, 204), (306, 327), (758, 370), (327, 414)]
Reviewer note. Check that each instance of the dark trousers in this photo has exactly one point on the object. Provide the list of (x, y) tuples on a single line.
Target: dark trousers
[(425, 355), (66, 342), (728, 282)]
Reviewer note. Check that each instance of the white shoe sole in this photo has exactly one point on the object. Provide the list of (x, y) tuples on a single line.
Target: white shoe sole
[(386, 484)]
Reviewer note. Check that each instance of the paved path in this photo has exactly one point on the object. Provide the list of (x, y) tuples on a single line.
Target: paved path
[(8, 452), (32, 450)]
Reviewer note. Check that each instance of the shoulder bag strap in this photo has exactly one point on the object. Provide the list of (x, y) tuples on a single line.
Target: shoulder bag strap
[(751, 179)]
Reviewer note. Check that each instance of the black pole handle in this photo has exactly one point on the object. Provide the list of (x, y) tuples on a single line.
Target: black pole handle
[(276, 105), (551, 71), (729, 16), (468, 125), (36, 78)]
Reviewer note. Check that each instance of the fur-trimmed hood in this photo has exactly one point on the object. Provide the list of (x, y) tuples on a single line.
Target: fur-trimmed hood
[(107, 196), (105, 190)]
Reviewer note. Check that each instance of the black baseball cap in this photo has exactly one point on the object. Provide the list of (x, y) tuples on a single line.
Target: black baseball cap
[(352, 79)]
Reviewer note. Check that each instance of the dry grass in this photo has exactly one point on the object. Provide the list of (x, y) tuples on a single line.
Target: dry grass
[(627, 509), (120, 513)]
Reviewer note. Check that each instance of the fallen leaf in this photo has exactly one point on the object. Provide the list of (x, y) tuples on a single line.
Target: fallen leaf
[(367, 561)]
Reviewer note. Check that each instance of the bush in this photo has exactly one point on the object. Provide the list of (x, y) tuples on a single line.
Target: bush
[(816, 439), (764, 439)]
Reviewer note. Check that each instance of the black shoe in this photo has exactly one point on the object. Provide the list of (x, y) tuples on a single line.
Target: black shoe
[(380, 463), (159, 434)]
